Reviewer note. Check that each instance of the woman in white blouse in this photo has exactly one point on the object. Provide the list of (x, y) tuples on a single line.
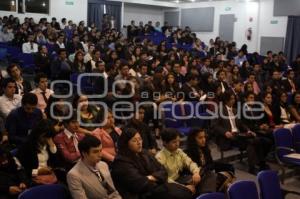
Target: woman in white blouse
[(38, 155)]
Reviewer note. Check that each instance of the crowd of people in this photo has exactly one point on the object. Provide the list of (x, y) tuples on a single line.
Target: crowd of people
[(47, 139)]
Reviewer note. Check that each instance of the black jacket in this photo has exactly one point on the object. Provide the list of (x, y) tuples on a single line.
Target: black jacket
[(148, 137), (12, 175), (130, 175), (28, 157)]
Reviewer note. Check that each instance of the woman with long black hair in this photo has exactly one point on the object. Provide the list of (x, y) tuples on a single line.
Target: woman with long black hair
[(138, 175), (214, 175)]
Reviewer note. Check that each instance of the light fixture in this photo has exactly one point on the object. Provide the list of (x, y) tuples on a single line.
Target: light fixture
[(192, 0), (43, 4), (177, 1), (12, 3)]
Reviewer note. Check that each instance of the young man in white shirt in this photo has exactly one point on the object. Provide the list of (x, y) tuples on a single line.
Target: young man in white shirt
[(42, 91), (9, 100), (30, 47)]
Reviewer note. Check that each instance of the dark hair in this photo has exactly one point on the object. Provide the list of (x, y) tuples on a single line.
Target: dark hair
[(220, 71), (6, 81), (53, 99), (226, 96), (11, 66), (251, 74), (127, 134), (88, 142), (43, 128), (41, 47), (193, 150), (190, 77), (29, 98), (263, 95), (39, 76), (294, 101), (74, 117), (169, 134), (61, 50), (247, 94)]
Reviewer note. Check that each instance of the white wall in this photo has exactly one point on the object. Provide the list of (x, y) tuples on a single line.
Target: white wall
[(169, 4), (261, 12), (242, 11), (59, 9), (266, 29), (142, 13)]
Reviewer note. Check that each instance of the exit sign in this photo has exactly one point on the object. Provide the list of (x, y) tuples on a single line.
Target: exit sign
[(227, 8), (69, 2), (274, 22)]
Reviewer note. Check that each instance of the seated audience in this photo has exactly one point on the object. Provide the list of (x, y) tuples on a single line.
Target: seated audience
[(190, 88), (89, 114), (108, 135), (67, 141), (42, 91), (199, 151), (20, 121), (282, 112), (90, 178), (137, 174), (42, 61), (13, 179), (295, 107), (231, 131), (148, 137), (6, 36), (9, 100), (38, 155), (176, 161), (23, 86), (30, 46), (289, 83), (57, 109), (61, 67), (78, 65)]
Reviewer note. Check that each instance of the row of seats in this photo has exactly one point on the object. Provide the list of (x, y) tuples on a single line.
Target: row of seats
[(184, 115), (287, 143), (268, 183)]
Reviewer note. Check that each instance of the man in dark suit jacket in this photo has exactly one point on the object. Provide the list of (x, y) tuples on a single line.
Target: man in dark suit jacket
[(221, 75), (20, 121), (74, 44), (190, 88), (290, 84), (61, 67), (42, 61), (231, 131)]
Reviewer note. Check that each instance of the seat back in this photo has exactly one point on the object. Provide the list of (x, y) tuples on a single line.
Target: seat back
[(283, 138), (3, 53), (45, 192), (193, 110), (212, 196), (171, 111), (296, 136), (243, 189), (269, 185)]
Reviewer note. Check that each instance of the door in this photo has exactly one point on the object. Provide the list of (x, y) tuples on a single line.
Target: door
[(226, 27)]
